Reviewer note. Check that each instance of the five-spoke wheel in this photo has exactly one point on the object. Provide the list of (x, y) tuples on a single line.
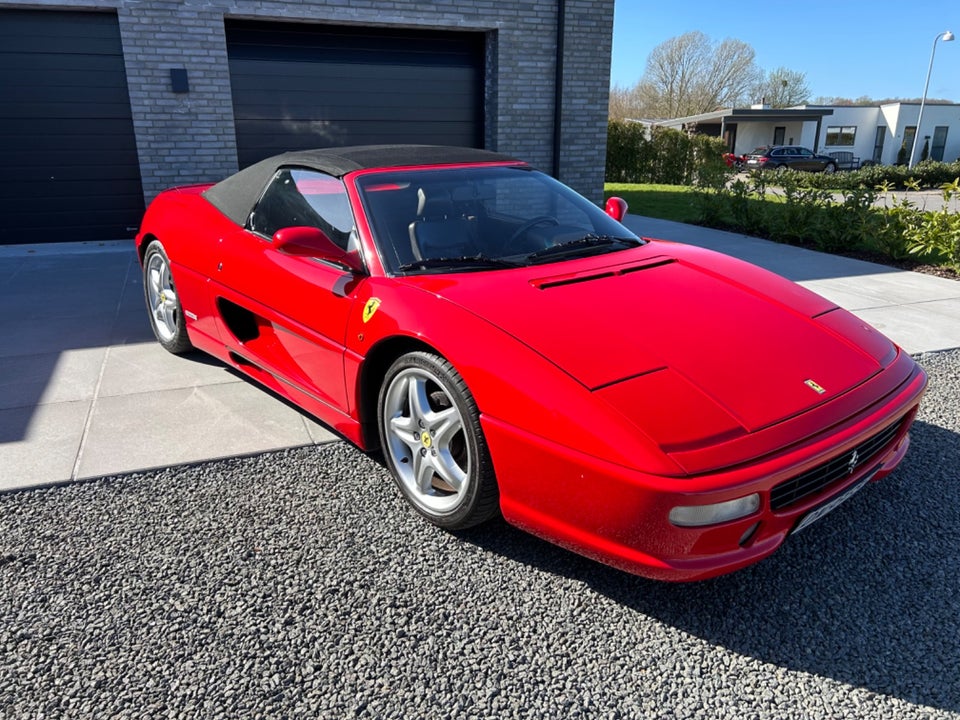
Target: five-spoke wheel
[(166, 314), (432, 441)]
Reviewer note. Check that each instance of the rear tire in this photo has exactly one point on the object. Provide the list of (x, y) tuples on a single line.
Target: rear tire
[(433, 443), (163, 303), (830, 168)]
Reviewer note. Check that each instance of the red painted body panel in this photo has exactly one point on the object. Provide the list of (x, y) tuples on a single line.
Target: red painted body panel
[(611, 388), (656, 310), (620, 516)]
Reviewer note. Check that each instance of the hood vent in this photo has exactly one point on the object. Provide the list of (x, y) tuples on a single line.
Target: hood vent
[(599, 273)]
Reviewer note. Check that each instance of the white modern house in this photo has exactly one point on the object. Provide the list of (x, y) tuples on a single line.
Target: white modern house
[(871, 133), (876, 133)]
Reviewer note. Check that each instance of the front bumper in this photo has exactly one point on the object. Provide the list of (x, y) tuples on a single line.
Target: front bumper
[(619, 516)]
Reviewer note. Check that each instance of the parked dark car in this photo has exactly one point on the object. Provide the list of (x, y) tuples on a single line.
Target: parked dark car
[(794, 157)]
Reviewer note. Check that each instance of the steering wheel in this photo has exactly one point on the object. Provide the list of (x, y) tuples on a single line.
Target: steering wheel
[(539, 220)]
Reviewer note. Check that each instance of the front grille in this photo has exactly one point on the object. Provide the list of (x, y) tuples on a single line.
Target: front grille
[(823, 476)]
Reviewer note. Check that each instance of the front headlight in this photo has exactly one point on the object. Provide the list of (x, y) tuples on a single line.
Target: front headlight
[(697, 515)]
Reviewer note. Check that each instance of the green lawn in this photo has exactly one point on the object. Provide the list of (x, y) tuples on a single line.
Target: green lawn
[(667, 202)]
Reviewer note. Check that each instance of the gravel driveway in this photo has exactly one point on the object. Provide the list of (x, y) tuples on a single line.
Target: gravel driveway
[(296, 584)]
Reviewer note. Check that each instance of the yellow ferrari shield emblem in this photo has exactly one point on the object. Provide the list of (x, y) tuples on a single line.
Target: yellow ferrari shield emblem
[(370, 309), (813, 385)]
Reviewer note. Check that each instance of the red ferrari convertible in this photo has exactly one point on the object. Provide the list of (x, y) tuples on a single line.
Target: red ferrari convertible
[(512, 348)]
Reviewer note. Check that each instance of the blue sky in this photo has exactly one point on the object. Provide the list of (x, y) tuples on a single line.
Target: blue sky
[(847, 48)]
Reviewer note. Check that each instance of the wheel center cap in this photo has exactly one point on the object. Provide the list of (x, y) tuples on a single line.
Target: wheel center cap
[(426, 439)]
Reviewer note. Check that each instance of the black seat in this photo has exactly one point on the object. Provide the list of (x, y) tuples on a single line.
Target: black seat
[(439, 231)]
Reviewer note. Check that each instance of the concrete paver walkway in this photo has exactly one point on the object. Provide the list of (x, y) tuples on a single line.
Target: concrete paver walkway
[(86, 391)]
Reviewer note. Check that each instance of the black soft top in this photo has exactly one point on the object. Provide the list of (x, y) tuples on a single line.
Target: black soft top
[(236, 195)]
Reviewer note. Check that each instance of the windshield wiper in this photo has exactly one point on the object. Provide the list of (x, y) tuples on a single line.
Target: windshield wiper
[(588, 242), (478, 262)]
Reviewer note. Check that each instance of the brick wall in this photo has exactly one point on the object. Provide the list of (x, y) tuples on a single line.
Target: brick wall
[(184, 138), (587, 44)]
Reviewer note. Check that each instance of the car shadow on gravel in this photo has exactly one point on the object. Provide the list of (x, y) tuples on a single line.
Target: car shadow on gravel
[(869, 596)]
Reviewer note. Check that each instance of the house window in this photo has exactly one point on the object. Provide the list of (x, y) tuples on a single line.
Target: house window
[(939, 142), (903, 154), (878, 144), (841, 134)]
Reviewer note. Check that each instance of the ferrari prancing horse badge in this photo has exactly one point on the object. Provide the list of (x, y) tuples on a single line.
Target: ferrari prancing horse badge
[(370, 309)]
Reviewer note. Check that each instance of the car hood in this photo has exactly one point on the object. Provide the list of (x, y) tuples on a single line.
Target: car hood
[(756, 347)]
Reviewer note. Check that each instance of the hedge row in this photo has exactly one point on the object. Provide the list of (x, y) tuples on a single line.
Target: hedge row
[(637, 154), (926, 174), (640, 154), (813, 217), (808, 211)]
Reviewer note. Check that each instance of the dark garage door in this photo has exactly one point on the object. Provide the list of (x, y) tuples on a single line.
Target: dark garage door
[(298, 86), (67, 148)]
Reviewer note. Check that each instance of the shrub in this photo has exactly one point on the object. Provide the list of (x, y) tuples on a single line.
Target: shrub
[(661, 155), (927, 174), (849, 221), (936, 235), (626, 143)]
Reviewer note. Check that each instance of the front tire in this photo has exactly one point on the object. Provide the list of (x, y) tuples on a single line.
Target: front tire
[(830, 168), (433, 443), (163, 303)]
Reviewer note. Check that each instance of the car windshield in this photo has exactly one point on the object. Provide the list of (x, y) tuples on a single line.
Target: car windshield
[(482, 218)]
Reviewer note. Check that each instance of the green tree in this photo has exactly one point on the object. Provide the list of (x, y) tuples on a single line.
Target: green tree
[(902, 153)]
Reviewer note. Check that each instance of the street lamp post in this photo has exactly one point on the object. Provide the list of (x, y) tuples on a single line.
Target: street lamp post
[(947, 37)]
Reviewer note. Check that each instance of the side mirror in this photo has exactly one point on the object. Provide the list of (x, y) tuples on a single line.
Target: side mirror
[(616, 208), (305, 241)]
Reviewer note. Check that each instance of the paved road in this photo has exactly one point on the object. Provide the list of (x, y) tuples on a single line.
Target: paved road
[(930, 200), (296, 584)]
